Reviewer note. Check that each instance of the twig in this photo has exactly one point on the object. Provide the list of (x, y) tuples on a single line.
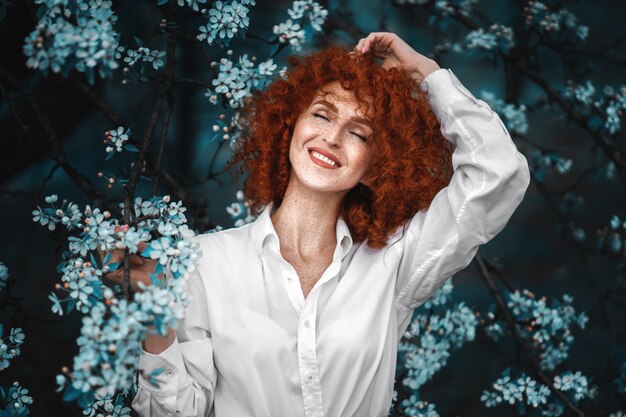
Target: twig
[(191, 81), (48, 178), (80, 180), (166, 121), (108, 112), (138, 165)]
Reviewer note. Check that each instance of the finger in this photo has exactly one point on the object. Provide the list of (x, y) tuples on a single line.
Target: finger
[(120, 228), (142, 246), (136, 259), (359, 45)]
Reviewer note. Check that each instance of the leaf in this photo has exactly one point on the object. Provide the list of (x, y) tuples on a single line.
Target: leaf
[(90, 76), (71, 393), (113, 266), (70, 305), (157, 371), (155, 280), (162, 2), (93, 259), (130, 148), (138, 41), (109, 156)]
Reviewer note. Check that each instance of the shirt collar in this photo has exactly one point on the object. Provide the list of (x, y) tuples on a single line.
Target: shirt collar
[(263, 227)]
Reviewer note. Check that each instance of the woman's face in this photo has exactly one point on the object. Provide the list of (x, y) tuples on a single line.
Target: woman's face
[(330, 146)]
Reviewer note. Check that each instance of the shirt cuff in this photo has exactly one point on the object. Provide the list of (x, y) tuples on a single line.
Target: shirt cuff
[(444, 88), (170, 361)]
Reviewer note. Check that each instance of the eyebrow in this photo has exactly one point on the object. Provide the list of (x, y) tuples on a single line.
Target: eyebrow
[(360, 120)]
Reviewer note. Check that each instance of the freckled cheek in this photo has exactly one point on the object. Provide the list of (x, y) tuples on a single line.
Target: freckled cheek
[(312, 130)]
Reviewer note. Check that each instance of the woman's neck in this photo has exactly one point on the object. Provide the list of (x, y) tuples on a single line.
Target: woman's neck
[(306, 221)]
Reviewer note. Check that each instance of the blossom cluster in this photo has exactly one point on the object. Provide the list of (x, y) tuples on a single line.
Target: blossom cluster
[(111, 334), (496, 38), (73, 35), (112, 327), (142, 55), (452, 7), (613, 237), (107, 407), (547, 328), (116, 139), (514, 117), (542, 162), (14, 401), (4, 275), (237, 80), (225, 19), (10, 345), (194, 4), (523, 391), (603, 112), (414, 407), (292, 31), (436, 330), (240, 210), (560, 24)]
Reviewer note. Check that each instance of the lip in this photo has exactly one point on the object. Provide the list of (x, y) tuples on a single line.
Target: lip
[(327, 155)]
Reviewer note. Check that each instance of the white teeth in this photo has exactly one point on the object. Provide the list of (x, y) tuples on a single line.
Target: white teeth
[(323, 158)]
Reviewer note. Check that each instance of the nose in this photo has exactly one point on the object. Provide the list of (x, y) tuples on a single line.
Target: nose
[(333, 137)]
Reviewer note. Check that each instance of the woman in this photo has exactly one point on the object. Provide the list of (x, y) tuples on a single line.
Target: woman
[(300, 312)]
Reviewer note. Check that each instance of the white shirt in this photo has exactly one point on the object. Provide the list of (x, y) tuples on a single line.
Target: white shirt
[(251, 344)]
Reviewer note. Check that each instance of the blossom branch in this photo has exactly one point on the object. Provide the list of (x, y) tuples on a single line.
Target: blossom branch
[(521, 344)]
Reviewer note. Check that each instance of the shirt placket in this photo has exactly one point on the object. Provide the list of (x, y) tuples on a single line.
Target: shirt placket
[(307, 341), (307, 337), (307, 358)]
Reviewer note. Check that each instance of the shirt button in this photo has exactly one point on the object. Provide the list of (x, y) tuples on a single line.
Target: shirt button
[(289, 279), (169, 372), (309, 377), (307, 323)]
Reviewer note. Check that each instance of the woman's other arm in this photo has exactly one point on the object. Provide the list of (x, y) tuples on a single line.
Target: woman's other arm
[(181, 362)]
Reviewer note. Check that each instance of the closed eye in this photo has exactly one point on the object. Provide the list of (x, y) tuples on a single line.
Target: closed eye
[(364, 139)]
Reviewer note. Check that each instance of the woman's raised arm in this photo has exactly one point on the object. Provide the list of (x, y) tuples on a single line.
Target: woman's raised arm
[(489, 181)]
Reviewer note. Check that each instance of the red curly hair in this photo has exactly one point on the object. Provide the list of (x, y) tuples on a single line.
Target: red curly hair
[(411, 158)]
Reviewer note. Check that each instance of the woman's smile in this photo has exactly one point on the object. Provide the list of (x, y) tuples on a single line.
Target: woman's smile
[(323, 159)]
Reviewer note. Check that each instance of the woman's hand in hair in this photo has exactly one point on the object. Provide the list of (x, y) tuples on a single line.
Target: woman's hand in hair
[(394, 52)]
